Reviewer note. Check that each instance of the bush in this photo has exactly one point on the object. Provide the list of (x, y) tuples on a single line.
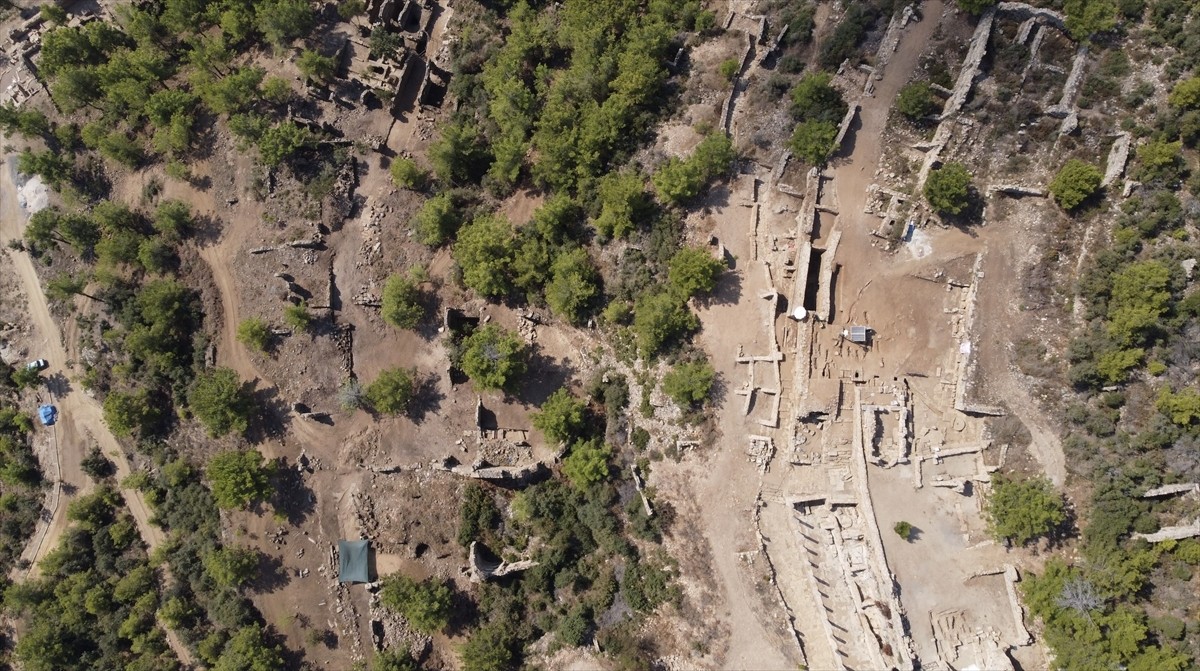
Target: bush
[(438, 220), (694, 270), (574, 285), (622, 201), (1088, 17), (484, 250), (297, 316), (1186, 94), (254, 333), (812, 141), (315, 66), (1160, 161), (231, 567), (560, 418), (127, 412), (407, 174), (903, 530), (587, 463), (1075, 182), (220, 403), (916, 101), (477, 515), (401, 303), (392, 391), (976, 6), (948, 189), (239, 478), (729, 69), (490, 648), (1022, 510), (425, 604), (283, 141), (350, 395), (689, 384), (660, 320), (493, 357), (815, 99)]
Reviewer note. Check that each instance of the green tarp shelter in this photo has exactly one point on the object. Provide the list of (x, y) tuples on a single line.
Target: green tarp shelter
[(352, 561)]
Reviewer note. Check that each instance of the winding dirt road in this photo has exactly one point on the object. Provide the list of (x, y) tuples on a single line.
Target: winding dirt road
[(81, 417)]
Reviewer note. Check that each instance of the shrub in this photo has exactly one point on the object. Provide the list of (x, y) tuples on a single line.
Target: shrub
[(976, 6), (401, 303), (1160, 161), (815, 99), (438, 220), (1075, 182), (490, 648), (1186, 94), (477, 514), (948, 189), (239, 478), (812, 141), (560, 418), (231, 567), (220, 403), (297, 316), (426, 604), (493, 357), (407, 174), (587, 463), (254, 333), (127, 412), (694, 270), (916, 101), (392, 391), (350, 395), (903, 530), (661, 319), (574, 285), (729, 69), (315, 66), (1022, 510), (689, 384), (484, 250)]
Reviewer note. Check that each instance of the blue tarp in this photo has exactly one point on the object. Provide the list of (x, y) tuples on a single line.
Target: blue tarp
[(48, 414)]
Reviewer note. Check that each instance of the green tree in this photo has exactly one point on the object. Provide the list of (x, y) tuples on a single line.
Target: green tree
[(1140, 299), (129, 412), (659, 319), (815, 99), (297, 316), (689, 384), (484, 251), (490, 648), (426, 604), (694, 270), (1160, 161), (281, 142), (239, 478), (438, 220), (904, 530), (231, 567), (574, 285), (402, 302), (351, 8), (53, 13), (459, 155), (277, 90), (173, 219), (561, 417), (392, 391), (493, 357), (728, 69), (1022, 510), (248, 650), (587, 463), (24, 377), (1186, 94), (282, 21), (1182, 407), (948, 189), (622, 202), (678, 180), (394, 660), (1075, 182), (1088, 17), (976, 7), (220, 402), (254, 333), (812, 141), (916, 101), (315, 66), (407, 174), (384, 44)]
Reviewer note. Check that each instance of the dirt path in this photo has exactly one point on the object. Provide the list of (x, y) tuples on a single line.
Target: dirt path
[(80, 414), (81, 422)]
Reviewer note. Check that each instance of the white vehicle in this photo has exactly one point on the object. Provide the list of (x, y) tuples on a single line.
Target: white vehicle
[(37, 364)]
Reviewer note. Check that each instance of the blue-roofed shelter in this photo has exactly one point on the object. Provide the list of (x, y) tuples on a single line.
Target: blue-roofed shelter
[(353, 561), (48, 414)]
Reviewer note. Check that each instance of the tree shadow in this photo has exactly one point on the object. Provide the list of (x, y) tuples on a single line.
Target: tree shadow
[(207, 230), (270, 576), (427, 398), (273, 414), (544, 376), (58, 384), (727, 292), (292, 497)]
